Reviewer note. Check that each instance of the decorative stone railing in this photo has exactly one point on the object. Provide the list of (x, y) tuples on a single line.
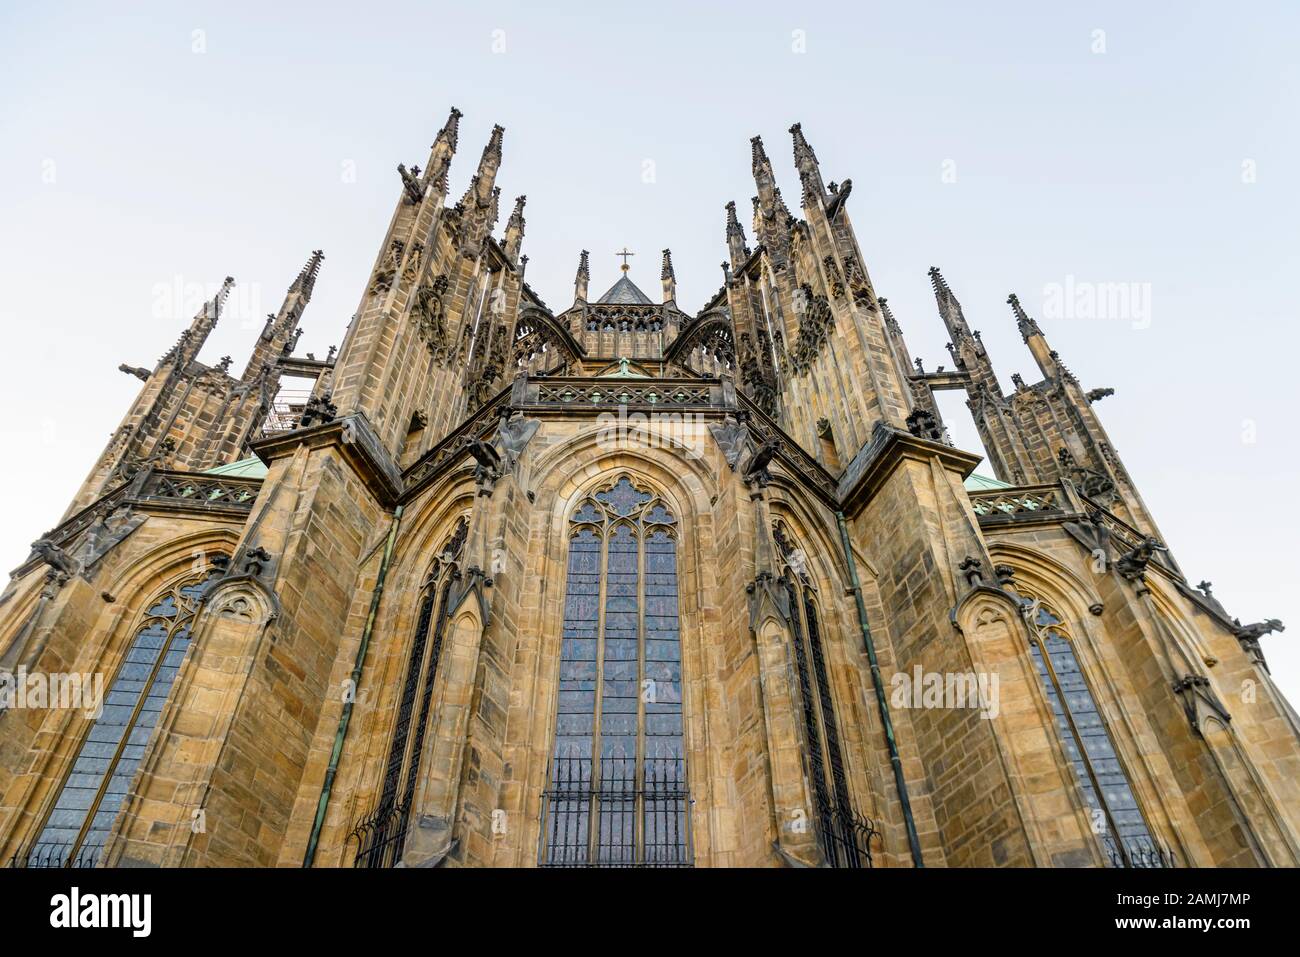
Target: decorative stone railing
[(196, 490), (605, 393), (1060, 503), (1021, 503), (157, 490)]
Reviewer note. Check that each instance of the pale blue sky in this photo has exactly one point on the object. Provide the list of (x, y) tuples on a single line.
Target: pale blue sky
[(132, 163)]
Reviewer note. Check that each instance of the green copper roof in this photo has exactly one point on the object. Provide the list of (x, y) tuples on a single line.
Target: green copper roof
[(245, 468), (982, 483), (625, 293)]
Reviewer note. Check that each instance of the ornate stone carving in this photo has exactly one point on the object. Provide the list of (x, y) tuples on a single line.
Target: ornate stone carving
[(139, 373), (1132, 565), (1249, 636), (387, 271), (59, 561), (1092, 483), (922, 424), (318, 410), (429, 311)]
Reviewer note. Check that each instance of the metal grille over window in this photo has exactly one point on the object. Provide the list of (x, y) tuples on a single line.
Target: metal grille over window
[(616, 792), (381, 834), (93, 792), (1116, 819)]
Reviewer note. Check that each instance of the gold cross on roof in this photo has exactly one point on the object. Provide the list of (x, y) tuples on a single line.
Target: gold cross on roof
[(624, 254)]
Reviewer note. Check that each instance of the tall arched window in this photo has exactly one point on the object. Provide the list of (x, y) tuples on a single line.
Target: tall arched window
[(1115, 816), (844, 835), (616, 794), (381, 834), (92, 794)]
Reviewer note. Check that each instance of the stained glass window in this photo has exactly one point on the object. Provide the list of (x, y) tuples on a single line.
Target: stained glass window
[(94, 790), (616, 793), (1113, 809)]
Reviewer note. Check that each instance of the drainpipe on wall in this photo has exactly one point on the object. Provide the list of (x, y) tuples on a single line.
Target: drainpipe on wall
[(900, 782), (346, 716)]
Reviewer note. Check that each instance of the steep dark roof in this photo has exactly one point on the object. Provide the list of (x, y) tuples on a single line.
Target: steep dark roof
[(625, 293)]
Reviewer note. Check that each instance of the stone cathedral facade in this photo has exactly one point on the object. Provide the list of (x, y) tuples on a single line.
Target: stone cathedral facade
[(618, 584)]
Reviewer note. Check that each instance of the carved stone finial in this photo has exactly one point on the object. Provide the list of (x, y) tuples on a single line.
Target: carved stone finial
[(1204, 588)]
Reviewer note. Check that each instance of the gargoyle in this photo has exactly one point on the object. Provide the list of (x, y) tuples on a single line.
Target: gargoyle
[(411, 182), (1096, 395), (139, 373), (488, 469), (756, 470), (1249, 636), (54, 556), (1133, 565)]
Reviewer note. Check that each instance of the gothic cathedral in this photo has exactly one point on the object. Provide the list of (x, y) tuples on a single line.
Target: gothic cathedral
[(617, 585)]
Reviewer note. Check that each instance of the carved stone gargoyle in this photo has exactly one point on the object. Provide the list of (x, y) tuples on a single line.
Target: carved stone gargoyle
[(488, 469), (756, 472), (59, 561), (1132, 565), (1249, 636), (139, 373)]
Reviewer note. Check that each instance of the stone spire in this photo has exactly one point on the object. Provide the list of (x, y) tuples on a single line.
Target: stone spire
[(306, 280), (192, 339), (444, 147), (1048, 362), (890, 322), (949, 307), (735, 238), (479, 206), (810, 174), (1027, 326), (771, 215), (770, 203), (281, 332), (668, 277), (583, 277), (515, 230)]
